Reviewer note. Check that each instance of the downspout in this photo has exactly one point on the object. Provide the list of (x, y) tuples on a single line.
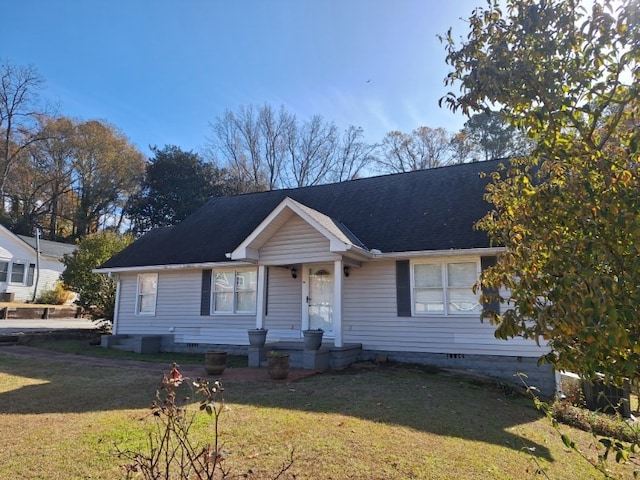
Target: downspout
[(37, 279)]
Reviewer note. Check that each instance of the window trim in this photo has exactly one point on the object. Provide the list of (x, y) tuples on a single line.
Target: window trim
[(27, 273), (233, 311), (139, 295), (443, 264)]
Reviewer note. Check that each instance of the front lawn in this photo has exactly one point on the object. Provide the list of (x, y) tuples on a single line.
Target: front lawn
[(83, 343), (61, 421)]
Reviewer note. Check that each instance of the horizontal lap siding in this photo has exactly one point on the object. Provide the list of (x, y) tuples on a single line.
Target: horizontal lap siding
[(296, 239), (178, 308), (284, 304), (370, 318)]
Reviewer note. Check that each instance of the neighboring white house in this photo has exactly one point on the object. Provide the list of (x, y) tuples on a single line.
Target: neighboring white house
[(385, 264), (23, 273)]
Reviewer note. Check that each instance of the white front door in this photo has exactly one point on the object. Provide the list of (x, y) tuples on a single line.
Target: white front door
[(318, 304)]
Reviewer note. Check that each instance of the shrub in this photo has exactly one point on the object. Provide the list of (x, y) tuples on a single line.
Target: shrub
[(57, 295), (171, 452), (613, 426)]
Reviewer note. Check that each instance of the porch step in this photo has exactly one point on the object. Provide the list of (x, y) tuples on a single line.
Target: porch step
[(327, 357)]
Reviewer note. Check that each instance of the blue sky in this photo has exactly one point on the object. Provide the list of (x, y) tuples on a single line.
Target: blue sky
[(162, 70)]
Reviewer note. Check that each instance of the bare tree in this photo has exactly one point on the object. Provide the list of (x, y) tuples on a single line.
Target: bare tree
[(274, 130), (423, 148), (263, 149), (311, 152), (353, 155), (20, 110), (237, 138)]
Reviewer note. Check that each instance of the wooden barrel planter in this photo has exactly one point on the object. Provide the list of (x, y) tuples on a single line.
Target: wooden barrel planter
[(215, 362), (278, 368)]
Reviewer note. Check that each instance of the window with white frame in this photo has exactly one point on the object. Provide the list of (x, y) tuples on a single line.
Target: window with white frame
[(147, 293), (234, 291), (21, 273), (445, 288), (4, 270)]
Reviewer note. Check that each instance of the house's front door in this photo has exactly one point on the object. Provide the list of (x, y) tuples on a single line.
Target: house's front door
[(319, 298)]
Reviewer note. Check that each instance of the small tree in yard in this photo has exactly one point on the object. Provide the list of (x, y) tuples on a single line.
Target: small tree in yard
[(568, 213), (171, 450), (96, 292)]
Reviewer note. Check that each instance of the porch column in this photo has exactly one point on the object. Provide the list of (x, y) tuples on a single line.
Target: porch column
[(261, 295), (337, 303), (116, 310)]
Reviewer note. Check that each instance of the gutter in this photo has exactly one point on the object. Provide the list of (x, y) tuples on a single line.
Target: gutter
[(372, 254), (440, 253), (155, 268)]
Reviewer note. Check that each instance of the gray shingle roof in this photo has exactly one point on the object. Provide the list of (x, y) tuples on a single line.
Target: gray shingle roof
[(47, 247), (425, 210)]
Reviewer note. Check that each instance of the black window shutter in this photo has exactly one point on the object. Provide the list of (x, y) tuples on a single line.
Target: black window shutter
[(266, 292), (494, 306), (403, 288), (205, 299)]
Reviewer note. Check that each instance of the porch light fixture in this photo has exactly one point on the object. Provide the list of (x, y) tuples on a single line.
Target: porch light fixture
[(346, 270), (294, 272)]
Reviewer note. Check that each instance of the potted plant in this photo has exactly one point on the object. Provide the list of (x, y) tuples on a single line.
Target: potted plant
[(278, 368), (215, 362), (312, 338), (257, 337)]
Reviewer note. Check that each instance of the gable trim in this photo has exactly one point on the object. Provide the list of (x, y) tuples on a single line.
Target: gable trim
[(338, 242)]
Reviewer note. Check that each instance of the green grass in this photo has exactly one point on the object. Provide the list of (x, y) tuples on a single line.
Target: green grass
[(62, 420), (80, 344)]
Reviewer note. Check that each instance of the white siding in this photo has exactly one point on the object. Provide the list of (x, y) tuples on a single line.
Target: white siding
[(178, 311), (295, 242), (370, 317), (284, 305), (13, 249)]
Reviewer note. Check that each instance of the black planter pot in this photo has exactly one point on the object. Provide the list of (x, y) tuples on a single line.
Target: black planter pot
[(257, 337), (312, 339)]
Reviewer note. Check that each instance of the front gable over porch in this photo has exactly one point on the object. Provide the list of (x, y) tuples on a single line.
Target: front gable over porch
[(294, 233)]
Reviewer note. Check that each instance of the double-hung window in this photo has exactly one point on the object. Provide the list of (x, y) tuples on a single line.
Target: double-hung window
[(4, 271), (20, 274), (147, 293), (445, 288), (234, 291)]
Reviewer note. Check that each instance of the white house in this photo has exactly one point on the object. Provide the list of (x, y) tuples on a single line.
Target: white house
[(383, 265), (24, 273)]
